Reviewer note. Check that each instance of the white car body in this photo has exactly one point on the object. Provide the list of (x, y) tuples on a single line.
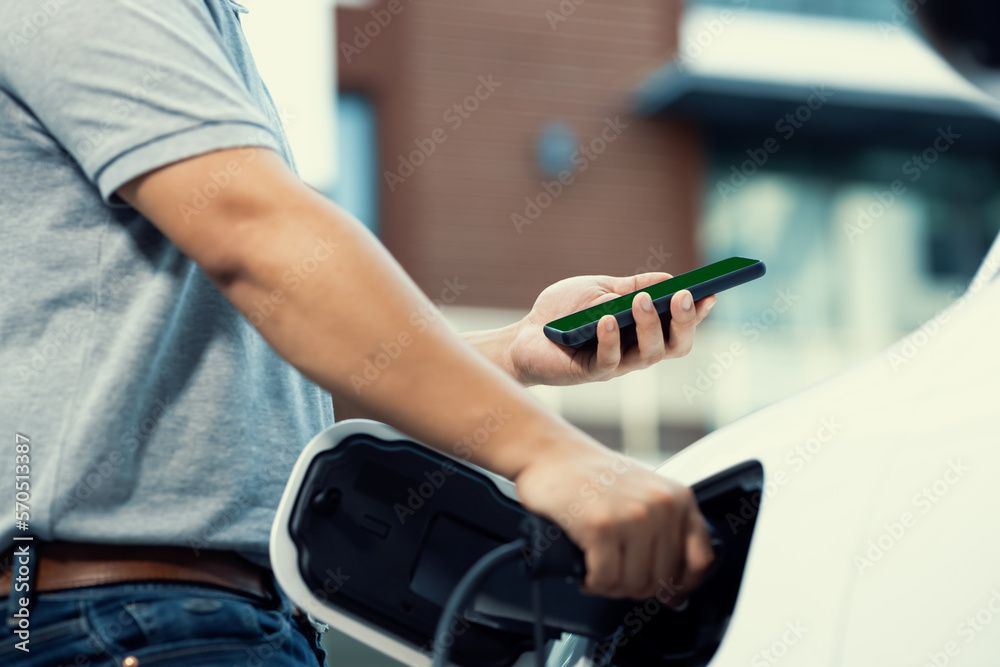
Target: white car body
[(877, 541), (877, 538)]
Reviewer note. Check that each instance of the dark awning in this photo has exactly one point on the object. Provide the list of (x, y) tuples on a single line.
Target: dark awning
[(844, 78)]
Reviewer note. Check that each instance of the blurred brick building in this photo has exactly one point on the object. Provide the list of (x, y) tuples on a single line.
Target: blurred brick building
[(467, 94)]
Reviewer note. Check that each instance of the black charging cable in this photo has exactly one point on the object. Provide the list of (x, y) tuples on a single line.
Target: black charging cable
[(536, 599), (547, 553), (464, 592)]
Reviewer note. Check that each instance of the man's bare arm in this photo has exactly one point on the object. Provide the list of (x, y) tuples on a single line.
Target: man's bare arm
[(490, 344), (355, 300)]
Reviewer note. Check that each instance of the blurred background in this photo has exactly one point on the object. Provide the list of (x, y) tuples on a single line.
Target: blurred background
[(498, 147)]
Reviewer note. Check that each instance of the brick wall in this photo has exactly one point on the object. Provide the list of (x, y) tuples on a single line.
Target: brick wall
[(576, 64)]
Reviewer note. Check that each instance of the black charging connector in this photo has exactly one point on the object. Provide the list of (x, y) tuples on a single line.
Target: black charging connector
[(550, 552)]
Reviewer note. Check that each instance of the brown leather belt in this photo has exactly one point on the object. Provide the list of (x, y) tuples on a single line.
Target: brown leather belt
[(67, 565)]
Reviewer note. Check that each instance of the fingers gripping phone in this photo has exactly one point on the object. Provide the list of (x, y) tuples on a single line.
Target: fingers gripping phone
[(580, 328)]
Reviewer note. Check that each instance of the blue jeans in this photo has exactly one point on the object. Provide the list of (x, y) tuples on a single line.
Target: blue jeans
[(161, 624)]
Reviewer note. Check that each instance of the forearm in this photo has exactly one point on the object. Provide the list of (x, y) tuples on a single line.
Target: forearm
[(360, 328), (493, 344)]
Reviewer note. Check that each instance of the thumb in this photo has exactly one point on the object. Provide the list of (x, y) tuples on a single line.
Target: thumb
[(627, 284)]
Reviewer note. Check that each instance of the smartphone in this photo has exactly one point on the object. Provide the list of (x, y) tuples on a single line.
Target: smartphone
[(580, 328)]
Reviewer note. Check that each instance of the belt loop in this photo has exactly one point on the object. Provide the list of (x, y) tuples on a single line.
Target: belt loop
[(30, 563)]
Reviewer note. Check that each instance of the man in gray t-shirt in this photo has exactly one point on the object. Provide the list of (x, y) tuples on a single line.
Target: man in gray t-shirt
[(158, 414), (147, 199)]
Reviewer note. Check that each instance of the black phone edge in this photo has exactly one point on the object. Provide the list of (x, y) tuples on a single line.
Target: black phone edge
[(582, 335)]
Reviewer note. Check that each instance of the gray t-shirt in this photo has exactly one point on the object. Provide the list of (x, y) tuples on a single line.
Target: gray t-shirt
[(156, 413)]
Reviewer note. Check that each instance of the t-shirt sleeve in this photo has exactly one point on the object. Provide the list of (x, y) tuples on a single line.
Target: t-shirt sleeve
[(126, 86)]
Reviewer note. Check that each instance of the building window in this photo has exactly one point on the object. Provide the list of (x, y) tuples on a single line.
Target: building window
[(828, 225), (357, 156), (876, 10)]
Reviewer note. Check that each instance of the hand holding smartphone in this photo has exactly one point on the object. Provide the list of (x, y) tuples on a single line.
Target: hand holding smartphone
[(580, 328)]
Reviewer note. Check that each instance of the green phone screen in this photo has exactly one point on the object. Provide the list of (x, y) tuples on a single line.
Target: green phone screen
[(657, 291)]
